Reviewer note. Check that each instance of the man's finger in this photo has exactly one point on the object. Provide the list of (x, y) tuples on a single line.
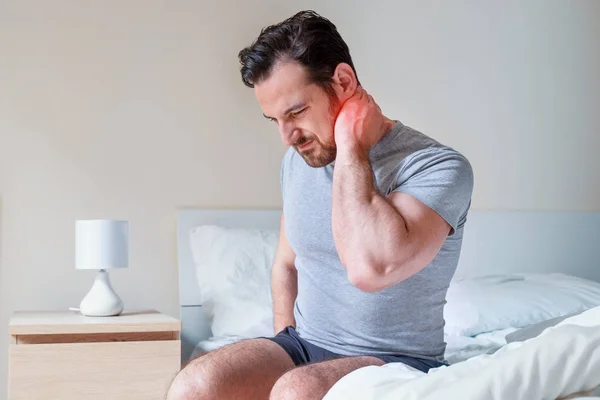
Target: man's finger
[(361, 95), (360, 91)]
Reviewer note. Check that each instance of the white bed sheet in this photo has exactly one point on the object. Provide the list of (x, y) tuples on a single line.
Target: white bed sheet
[(458, 348), (461, 348)]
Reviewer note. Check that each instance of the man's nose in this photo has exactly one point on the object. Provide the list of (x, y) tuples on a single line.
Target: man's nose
[(289, 134)]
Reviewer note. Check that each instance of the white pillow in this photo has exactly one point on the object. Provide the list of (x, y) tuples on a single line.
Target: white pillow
[(489, 303), (233, 269)]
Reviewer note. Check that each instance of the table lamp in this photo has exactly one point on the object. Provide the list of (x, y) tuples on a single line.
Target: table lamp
[(101, 245)]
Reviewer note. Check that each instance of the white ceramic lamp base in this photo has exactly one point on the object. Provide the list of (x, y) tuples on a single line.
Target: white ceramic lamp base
[(101, 300)]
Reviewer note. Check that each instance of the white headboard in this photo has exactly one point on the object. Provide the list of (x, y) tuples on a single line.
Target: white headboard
[(494, 242), (531, 241)]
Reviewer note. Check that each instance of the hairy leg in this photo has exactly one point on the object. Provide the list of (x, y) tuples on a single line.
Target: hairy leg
[(313, 381), (244, 370)]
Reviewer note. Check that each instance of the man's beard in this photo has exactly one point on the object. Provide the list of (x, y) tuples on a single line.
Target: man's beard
[(319, 155)]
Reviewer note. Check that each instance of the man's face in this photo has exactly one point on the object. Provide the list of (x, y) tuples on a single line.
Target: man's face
[(303, 112)]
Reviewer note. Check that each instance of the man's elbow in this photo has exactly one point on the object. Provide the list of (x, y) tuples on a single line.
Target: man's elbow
[(370, 277)]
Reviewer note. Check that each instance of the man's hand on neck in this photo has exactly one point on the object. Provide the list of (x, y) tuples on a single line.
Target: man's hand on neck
[(359, 125)]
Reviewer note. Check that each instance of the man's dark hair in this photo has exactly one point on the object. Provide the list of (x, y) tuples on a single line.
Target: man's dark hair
[(307, 38)]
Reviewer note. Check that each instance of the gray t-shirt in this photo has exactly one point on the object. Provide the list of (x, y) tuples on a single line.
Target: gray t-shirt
[(407, 318)]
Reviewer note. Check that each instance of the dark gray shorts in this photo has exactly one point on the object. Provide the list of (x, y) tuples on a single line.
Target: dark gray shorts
[(303, 352)]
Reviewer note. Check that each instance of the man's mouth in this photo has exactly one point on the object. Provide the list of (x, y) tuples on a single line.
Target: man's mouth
[(305, 145)]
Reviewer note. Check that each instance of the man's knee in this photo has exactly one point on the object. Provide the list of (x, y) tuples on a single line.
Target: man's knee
[(300, 383), (193, 381)]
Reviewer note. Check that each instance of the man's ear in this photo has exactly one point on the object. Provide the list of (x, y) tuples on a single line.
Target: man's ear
[(344, 81)]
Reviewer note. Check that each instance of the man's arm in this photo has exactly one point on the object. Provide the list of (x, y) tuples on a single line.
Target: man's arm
[(284, 283), (381, 241)]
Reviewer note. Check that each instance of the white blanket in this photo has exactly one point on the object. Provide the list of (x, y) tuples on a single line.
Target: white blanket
[(563, 360)]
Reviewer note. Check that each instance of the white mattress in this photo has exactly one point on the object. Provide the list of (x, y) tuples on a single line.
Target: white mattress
[(459, 348), (214, 343)]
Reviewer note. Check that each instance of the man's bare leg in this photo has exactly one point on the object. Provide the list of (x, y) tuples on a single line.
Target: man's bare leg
[(245, 370), (313, 381)]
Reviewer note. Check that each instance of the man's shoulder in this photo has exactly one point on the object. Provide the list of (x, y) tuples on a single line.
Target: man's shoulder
[(288, 164), (408, 143), (290, 152), (288, 160), (408, 155)]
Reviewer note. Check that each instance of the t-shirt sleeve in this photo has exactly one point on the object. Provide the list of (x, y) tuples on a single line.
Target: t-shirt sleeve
[(440, 178)]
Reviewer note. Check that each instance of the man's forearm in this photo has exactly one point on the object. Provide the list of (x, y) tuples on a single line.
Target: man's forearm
[(284, 289), (367, 230)]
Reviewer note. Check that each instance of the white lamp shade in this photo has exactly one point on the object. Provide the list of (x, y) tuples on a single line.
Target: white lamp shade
[(101, 244)]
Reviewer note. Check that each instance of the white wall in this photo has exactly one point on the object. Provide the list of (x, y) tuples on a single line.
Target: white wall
[(132, 109)]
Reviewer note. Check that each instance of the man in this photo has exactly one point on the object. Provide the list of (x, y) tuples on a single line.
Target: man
[(371, 231)]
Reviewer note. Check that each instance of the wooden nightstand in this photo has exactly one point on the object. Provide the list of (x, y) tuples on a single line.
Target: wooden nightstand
[(65, 355)]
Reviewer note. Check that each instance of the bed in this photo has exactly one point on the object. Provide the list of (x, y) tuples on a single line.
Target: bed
[(517, 270)]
